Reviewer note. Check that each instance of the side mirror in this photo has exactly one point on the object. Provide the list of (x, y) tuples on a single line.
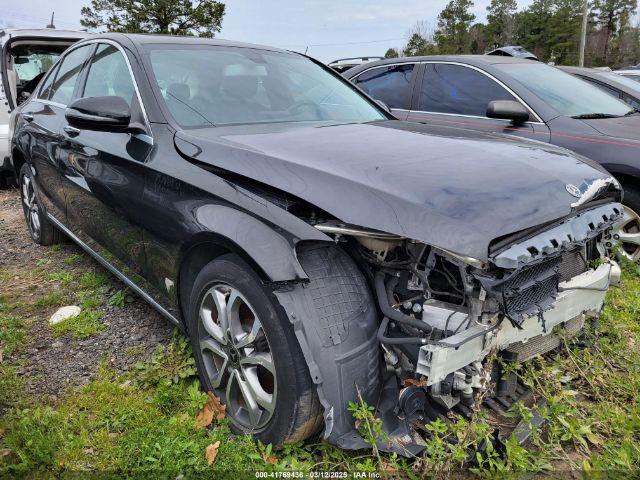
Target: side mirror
[(508, 110), (108, 114)]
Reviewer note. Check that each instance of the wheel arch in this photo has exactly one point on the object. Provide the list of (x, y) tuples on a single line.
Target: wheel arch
[(203, 248), (17, 160)]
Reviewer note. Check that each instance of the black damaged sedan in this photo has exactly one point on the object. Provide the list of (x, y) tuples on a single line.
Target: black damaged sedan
[(311, 246)]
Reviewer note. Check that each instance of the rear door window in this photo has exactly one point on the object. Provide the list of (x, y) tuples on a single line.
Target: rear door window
[(459, 90), (391, 84), (67, 75)]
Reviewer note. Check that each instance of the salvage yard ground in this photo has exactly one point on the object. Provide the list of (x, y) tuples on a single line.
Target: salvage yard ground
[(114, 390)]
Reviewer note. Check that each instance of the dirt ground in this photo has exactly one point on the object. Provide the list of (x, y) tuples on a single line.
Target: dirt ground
[(50, 364)]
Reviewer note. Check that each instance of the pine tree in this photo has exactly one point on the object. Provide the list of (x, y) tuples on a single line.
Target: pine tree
[(501, 22), (454, 21)]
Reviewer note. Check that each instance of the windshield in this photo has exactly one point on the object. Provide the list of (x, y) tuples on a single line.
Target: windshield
[(567, 94), (28, 67), (211, 85)]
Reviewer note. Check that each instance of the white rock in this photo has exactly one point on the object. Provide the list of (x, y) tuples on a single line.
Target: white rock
[(64, 313)]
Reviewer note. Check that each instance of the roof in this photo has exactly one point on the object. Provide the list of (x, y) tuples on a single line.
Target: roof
[(157, 39), (607, 77), (355, 59), (41, 32), (476, 60)]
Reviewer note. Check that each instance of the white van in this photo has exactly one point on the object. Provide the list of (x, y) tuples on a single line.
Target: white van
[(25, 56)]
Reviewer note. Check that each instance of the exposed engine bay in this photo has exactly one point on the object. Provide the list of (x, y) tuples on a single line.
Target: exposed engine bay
[(444, 315)]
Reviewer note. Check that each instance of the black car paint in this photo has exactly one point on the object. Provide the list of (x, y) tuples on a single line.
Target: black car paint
[(416, 181), (612, 142)]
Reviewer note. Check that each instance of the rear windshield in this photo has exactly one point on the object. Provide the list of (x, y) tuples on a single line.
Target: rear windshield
[(567, 94), (211, 85)]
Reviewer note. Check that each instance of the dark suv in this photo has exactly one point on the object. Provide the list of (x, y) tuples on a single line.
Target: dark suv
[(315, 250)]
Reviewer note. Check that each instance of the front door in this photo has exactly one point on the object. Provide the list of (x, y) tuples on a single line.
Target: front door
[(104, 171)]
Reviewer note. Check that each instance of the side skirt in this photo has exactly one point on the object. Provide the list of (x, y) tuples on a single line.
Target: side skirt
[(129, 283)]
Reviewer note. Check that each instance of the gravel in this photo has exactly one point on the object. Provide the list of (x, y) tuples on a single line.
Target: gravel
[(50, 364)]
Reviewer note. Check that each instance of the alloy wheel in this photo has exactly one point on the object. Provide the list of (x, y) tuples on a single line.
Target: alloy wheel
[(30, 206), (237, 356), (626, 233)]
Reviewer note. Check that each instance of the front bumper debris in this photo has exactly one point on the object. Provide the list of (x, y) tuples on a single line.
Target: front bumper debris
[(580, 298)]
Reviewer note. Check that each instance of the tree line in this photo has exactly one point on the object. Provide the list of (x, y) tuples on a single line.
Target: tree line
[(549, 28)]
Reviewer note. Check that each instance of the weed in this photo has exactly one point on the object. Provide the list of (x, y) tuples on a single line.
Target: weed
[(135, 351), (72, 259), (94, 279), (10, 386), (65, 278), (81, 326), (41, 262), (89, 300), (12, 332), (169, 364), (118, 299), (367, 424), (51, 299)]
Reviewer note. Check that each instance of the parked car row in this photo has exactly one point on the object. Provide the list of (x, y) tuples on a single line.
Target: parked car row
[(315, 248), (522, 97)]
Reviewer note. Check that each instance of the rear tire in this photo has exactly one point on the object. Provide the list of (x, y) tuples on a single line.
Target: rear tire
[(250, 357), (41, 229)]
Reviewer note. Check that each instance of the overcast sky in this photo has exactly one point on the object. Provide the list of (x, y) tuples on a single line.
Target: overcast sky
[(330, 29)]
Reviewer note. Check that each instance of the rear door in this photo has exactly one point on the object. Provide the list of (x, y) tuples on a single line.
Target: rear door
[(44, 115), (392, 84), (457, 94), (104, 171)]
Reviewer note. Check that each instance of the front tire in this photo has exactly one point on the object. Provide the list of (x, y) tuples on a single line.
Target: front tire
[(247, 354), (41, 229)]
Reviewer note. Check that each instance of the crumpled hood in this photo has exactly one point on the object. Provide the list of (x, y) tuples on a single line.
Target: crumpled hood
[(622, 127), (449, 187)]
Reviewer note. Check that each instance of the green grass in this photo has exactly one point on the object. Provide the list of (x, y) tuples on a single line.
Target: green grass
[(94, 279), (53, 299), (12, 331), (64, 278), (73, 259), (81, 326), (142, 423)]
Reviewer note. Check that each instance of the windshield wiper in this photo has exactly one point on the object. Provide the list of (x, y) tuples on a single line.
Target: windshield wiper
[(587, 116), (632, 112)]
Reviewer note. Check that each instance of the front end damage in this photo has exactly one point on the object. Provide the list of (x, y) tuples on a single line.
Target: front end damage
[(443, 316)]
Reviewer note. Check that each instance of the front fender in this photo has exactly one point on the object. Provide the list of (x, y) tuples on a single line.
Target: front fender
[(271, 249)]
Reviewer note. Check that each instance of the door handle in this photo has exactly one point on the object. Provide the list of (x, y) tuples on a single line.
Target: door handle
[(27, 117), (71, 131)]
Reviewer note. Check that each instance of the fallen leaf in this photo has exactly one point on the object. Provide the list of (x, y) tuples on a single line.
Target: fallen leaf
[(211, 452), (421, 382), (388, 469), (5, 452), (269, 459), (213, 408)]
